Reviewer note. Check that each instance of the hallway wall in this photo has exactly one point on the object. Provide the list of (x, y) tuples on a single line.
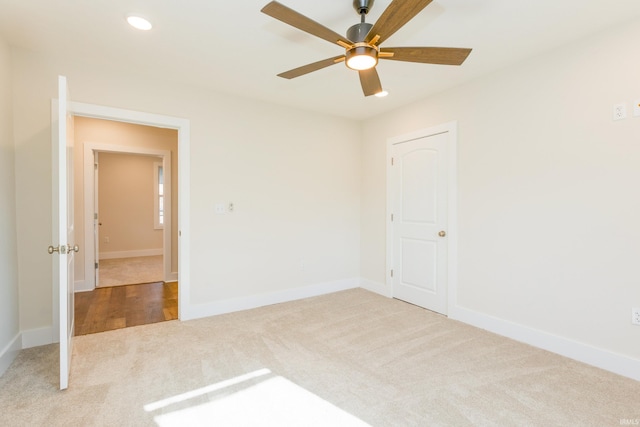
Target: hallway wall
[(126, 205)]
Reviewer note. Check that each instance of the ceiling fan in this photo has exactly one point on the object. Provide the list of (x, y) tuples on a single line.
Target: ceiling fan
[(362, 43)]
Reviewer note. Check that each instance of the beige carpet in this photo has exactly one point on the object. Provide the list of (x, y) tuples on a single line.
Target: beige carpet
[(350, 358), (130, 271)]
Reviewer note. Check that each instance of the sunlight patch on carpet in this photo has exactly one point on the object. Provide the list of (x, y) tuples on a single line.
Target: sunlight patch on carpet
[(274, 401), (204, 390)]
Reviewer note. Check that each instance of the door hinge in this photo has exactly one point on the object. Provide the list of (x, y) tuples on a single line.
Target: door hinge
[(391, 272), (96, 265), (391, 217), (392, 161), (95, 216), (95, 166)]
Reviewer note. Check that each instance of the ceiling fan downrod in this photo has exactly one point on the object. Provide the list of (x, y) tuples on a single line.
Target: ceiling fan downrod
[(358, 32)]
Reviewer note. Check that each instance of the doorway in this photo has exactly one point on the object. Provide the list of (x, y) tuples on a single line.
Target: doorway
[(421, 195), (129, 225), (129, 209), (129, 219), (158, 301), (131, 212), (130, 147)]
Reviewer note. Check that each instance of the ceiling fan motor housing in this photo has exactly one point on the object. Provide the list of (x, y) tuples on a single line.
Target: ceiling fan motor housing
[(362, 6), (358, 32)]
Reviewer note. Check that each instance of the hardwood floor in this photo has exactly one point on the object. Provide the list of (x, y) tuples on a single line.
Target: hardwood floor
[(105, 309)]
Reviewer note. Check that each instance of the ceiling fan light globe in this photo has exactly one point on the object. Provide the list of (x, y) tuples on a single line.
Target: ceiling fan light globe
[(361, 58), (361, 62)]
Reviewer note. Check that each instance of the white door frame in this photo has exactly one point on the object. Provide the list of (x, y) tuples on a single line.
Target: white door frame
[(184, 141), (90, 148), (452, 205)]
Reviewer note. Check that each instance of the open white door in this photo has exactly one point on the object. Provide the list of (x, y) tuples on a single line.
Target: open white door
[(96, 224), (63, 228)]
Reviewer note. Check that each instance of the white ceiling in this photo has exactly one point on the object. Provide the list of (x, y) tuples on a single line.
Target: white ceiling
[(230, 46)]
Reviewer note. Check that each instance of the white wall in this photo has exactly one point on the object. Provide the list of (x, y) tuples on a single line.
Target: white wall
[(293, 177), (549, 206), (9, 319)]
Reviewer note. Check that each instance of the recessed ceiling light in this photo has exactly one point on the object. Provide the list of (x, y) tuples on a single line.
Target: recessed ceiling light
[(139, 22), (382, 94)]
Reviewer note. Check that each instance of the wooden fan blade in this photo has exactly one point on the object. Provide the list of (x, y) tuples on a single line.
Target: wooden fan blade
[(427, 55), (306, 69), (394, 17), (301, 22), (370, 82)]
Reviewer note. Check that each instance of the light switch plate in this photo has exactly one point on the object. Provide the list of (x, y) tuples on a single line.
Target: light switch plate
[(636, 108)]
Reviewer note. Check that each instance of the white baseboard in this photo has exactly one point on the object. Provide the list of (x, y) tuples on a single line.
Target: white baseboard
[(9, 353), (196, 311), (172, 277), (81, 286), (376, 287), (603, 359), (38, 337), (129, 254)]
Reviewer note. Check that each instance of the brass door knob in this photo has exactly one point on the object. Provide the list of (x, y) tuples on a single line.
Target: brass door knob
[(442, 233), (62, 249)]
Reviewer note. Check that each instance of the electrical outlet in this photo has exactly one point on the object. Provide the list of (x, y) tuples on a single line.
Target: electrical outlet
[(220, 208), (635, 316), (619, 112)]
